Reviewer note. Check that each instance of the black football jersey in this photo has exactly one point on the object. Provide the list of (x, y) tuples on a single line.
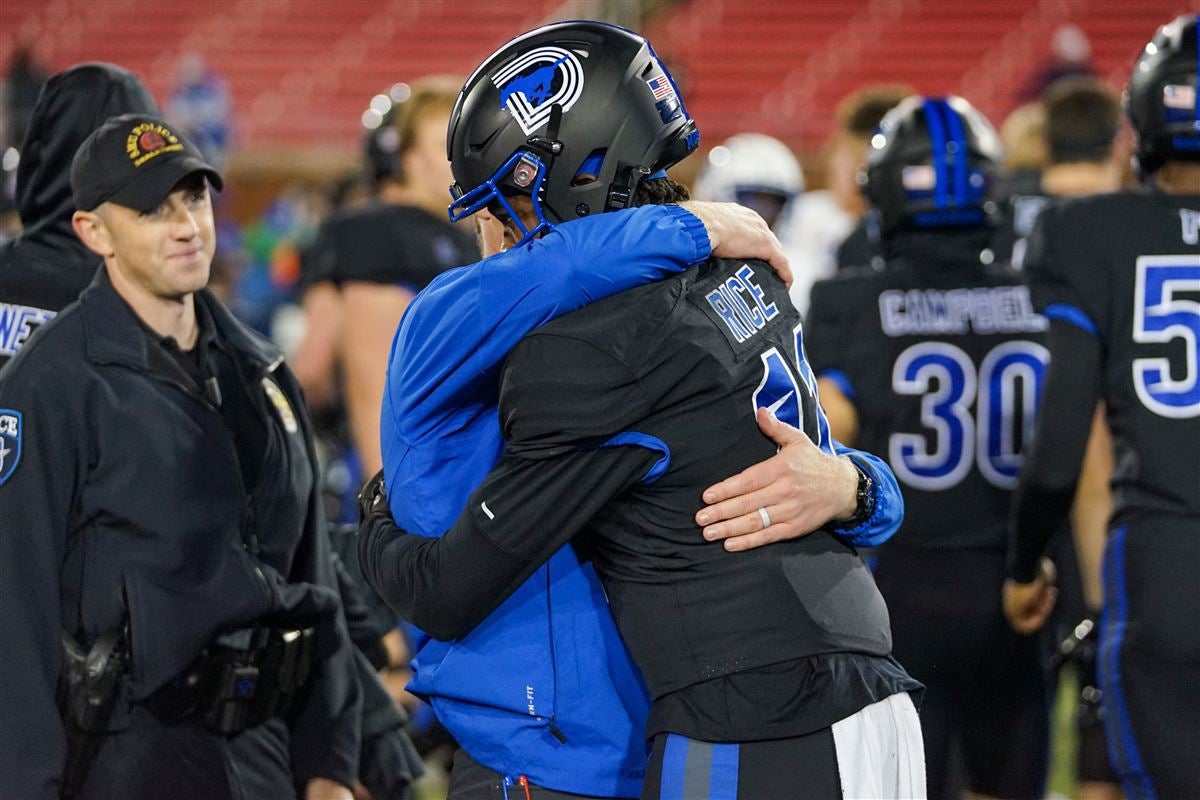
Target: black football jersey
[(943, 362), (680, 367), (1126, 268), (388, 244)]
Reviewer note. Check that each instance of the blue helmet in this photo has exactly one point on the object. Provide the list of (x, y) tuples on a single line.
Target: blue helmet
[(573, 115)]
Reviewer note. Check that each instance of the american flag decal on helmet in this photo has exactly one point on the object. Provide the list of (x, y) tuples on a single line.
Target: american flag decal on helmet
[(661, 87)]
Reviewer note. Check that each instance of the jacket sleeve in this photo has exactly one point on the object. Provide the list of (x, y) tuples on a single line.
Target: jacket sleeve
[(326, 724), (40, 472), (456, 333), (888, 513), (522, 514)]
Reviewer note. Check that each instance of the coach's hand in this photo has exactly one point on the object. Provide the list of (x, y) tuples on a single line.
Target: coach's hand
[(737, 232), (1028, 604), (799, 489)]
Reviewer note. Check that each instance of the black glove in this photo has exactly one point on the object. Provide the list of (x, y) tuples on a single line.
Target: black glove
[(372, 498)]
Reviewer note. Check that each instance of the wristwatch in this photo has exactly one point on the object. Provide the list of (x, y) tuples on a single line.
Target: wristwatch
[(865, 495)]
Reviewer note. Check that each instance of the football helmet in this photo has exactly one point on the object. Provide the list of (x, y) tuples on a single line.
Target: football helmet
[(1161, 97), (574, 115), (755, 170), (933, 163)]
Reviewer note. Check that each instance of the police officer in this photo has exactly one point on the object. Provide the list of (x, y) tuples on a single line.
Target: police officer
[(161, 522)]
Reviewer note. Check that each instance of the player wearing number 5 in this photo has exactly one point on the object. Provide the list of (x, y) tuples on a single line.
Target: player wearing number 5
[(936, 361), (1118, 276)]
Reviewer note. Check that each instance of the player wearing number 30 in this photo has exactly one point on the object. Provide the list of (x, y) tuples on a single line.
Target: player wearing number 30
[(937, 361), (1119, 278)]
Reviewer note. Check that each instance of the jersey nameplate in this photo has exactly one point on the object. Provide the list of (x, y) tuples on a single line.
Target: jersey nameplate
[(737, 304), (17, 324), (997, 309), (1189, 220)]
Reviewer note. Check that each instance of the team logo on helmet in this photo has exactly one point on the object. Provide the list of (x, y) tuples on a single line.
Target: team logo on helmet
[(10, 442), (536, 81)]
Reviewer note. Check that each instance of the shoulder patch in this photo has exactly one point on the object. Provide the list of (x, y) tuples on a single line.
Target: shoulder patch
[(10, 443), (277, 398)]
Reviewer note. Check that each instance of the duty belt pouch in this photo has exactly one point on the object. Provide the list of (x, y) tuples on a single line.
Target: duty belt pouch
[(249, 676), (232, 680)]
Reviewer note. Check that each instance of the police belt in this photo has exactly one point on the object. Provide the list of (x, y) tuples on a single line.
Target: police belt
[(241, 679)]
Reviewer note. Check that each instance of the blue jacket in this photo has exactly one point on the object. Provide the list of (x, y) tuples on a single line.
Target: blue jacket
[(544, 686)]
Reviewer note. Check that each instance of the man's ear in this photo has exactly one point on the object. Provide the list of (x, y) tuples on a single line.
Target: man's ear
[(93, 232)]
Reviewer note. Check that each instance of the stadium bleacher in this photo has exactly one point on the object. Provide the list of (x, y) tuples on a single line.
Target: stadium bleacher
[(301, 71)]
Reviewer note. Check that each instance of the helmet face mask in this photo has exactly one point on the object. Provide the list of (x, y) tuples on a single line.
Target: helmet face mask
[(932, 165), (574, 115), (1161, 98)]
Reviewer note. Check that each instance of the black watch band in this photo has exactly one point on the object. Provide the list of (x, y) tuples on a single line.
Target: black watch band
[(865, 496)]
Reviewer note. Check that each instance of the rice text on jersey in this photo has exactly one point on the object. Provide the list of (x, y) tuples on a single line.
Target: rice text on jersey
[(740, 303)]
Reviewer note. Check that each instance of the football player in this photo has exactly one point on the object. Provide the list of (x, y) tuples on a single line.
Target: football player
[(1118, 276), (936, 360)]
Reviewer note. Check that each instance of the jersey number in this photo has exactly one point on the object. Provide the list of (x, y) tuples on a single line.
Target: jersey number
[(785, 378), (1161, 315), (1007, 387)]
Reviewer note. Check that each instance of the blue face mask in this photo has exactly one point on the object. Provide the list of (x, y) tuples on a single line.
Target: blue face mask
[(522, 167)]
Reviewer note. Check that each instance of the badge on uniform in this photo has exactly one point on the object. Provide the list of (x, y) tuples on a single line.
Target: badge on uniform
[(10, 442), (286, 415)]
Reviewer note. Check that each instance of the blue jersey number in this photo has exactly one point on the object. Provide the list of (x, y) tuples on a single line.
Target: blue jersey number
[(1007, 387), (786, 379), (1161, 315)]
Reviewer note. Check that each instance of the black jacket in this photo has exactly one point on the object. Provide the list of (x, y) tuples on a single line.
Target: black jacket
[(46, 267), (126, 497)]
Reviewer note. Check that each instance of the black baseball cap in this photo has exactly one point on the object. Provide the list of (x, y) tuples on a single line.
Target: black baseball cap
[(134, 160)]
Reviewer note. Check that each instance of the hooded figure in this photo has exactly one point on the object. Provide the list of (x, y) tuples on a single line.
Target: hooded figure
[(46, 267)]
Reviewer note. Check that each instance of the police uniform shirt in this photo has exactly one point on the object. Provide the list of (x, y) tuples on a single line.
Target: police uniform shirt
[(387, 244), (1125, 268), (615, 417), (942, 358), (214, 374), (122, 494)]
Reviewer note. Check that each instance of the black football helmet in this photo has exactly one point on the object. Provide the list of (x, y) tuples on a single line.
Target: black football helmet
[(933, 163), (572, 114), (1161, 97)]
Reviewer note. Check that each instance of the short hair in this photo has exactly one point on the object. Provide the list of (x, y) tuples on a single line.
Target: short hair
[(1082, 119), (433, 95), (1023, 134), (860, 112)]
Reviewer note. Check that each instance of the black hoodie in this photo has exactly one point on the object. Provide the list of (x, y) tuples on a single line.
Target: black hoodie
[(46, 267)]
